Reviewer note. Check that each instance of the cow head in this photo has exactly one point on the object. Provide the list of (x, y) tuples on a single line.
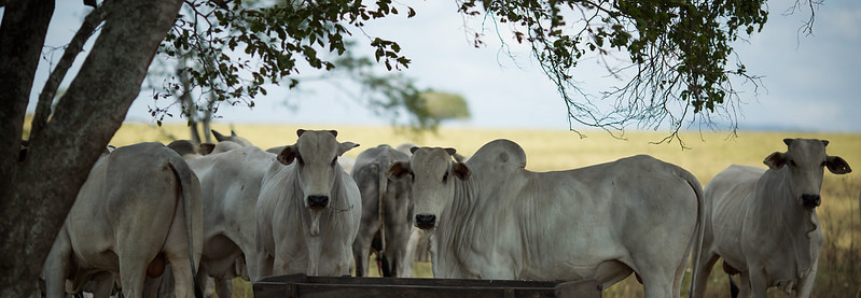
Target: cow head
[(805, 161), (315, 157), (433, 173)]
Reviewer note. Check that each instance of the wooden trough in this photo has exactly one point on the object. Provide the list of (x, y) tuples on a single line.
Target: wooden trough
[(302, 286)]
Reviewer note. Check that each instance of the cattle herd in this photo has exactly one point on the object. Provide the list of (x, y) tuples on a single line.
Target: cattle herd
[(234, 210)]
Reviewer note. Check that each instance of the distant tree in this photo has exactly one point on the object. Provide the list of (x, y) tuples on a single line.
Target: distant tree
[(679, 49), (444, 106)]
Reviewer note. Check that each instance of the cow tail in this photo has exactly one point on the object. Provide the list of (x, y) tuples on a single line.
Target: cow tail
[(186, 178), (383, 184), (700, 227)]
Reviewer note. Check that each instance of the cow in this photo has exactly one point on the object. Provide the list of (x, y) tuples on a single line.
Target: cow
[(309, 209), (763, 223), (138, 209), (383, 201), (230, 183), (490, 218)]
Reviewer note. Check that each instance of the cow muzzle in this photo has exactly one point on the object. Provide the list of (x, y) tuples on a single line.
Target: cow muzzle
[(425, 221), (810, 201), (318, 202)]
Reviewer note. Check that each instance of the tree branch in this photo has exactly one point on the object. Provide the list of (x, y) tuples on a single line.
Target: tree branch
[(75, 46)]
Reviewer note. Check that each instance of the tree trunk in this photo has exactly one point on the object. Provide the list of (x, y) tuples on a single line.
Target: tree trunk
[(60, 157), (22, 35)]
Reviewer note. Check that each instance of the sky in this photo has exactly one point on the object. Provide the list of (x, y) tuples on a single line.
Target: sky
[(809, 82)]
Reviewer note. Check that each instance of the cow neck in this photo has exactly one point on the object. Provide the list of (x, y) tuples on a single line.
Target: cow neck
[(454, 239), (787, 218)]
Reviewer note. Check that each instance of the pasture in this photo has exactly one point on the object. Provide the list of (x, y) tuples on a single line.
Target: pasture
[(706, 154)]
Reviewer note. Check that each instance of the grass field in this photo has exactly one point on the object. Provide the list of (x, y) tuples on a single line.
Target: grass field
[(706, 154)]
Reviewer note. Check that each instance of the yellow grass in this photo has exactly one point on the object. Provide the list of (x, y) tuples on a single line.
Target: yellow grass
[(707, 154)]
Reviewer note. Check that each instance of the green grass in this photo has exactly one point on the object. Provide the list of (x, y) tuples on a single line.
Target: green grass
[(706, 154)]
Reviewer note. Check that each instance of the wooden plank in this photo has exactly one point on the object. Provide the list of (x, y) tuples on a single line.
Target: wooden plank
[(301, 286), (301, 278), (382, 291)]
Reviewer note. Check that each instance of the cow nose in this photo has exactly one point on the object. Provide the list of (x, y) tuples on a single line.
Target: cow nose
[(425, 221), (318, 202), (810, 201)]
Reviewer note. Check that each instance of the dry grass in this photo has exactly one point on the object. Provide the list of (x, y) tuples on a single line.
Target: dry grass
[(839, 273)]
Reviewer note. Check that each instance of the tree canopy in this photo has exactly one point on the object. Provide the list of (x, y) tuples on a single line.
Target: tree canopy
[(680, 59)]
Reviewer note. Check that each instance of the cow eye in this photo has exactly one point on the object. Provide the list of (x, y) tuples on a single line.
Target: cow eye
[(445, 177), (334, 160), (791, 162)]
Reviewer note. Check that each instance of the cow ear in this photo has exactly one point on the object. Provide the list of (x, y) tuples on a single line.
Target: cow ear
[(461, 171), (788, 141), (346, 146), (837, 165), (206, 148), (398, 170), (334, 133), (413, 149), (824, 143), (232, 133), (218, 136), (299, 132), (450, 151), (775, 160), (287, 155)]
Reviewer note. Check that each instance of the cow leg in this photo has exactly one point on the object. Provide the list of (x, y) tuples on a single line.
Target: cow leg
[(161, 286), (103, 284), (362, 249), (743, 285), (659, 283), (203, 278), (397, 238), (176, 251), (182, 274), (57, 266), (132, 275), (705, 263), (224, 287), (758, 286)]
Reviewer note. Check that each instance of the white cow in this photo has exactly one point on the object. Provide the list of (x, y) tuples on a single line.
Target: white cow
[(230, 183), (309, 209), (138, 209), (384, 201), (492, 219), (763, 223)]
